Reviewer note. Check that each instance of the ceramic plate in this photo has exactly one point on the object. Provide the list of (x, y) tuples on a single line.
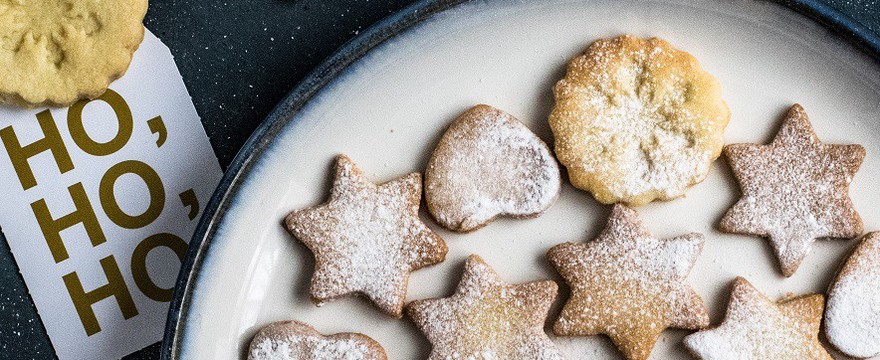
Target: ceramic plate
[(385, 99)]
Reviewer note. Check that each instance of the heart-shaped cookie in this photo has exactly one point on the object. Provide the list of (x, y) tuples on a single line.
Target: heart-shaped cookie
[(852, 317), (489, 164), (294, 340)]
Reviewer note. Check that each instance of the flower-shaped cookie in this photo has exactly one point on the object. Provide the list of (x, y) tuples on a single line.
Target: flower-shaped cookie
[(367, 238), (487, 318), (637, 120), (55, 52)]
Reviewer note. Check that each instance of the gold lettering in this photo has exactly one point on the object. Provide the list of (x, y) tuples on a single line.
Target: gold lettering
[(84, 214), (51, 141), (107, 193), (115, 287), (82, 138), (139, 264)]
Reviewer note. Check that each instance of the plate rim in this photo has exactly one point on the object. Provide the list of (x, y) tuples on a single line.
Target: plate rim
[(259, 141)]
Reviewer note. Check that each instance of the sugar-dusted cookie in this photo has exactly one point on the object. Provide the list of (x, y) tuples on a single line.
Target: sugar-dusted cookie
[(637, 120), (794, 190), (367, 238), (293, 340), (852, 316), (489, 164), (55, 52), (756, 328), (628, 285), (487, 318)]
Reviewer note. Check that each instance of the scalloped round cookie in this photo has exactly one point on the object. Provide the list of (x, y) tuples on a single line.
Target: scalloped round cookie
[(56, 52), (637, 120)]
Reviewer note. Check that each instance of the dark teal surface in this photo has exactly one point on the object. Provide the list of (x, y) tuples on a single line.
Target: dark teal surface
[(238, 59), (867, 12)]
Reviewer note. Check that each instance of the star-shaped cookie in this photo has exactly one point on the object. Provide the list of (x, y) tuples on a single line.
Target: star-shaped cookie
[(487, 318), (628, 285), (757, 328), (795, 190), (367, 238)]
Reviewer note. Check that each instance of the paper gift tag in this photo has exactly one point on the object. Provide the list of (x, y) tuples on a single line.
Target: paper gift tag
[(99, 202)]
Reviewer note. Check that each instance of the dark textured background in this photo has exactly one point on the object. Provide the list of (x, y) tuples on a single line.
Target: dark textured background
[(238, 59)]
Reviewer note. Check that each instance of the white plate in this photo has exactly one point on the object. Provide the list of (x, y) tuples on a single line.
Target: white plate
[(387, 110)]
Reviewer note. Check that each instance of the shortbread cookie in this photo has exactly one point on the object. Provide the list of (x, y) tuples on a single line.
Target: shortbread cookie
[(852, 317), (637, 120), (293, 340), (628, 285), (55, 52), (487, 318), (367, 238), (489, 164), (794, 190), (756, 328)]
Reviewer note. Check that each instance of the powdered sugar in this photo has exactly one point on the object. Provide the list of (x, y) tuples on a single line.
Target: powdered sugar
[(367, 238), (489, 164), (852, 317), (309, 348), (757, 329), (487, 318), (637, 120), (794, 190), (629, 285), (297, 341), (649, 157)]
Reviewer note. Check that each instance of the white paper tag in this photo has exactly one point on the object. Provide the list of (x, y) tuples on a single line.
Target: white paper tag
[(99, 202)]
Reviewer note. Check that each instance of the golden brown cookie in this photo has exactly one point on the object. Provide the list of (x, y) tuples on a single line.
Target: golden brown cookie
[(794, 190), (293, 340), (637, 120), (367, 238), (487, 318), (756, 328), (852, 316), (55, 52), (628, 285), (489, 164)]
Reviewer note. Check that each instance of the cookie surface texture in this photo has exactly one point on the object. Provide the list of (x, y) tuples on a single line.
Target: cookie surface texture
[(794, 190), (756, 328), (628, 285), (367, 238), (852, 316), (55, 52), (487, 318), (488, 164), (637, 120), (293, 340)]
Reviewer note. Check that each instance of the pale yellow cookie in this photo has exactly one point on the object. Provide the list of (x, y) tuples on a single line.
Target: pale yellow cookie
[(55, 52), (637, 120)]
